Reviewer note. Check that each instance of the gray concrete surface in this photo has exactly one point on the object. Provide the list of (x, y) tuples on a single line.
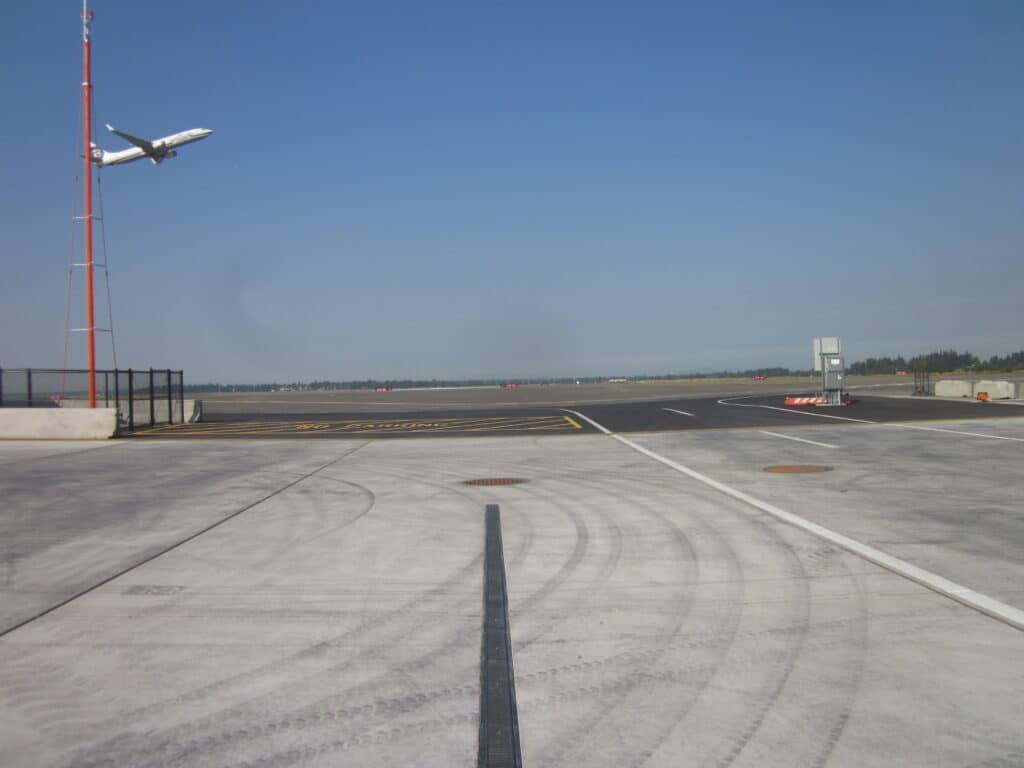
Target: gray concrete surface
[(947, 501), (654, 621), (57, 424), (75, 515)]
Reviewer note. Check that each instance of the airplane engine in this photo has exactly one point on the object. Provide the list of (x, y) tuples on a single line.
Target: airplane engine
[(97, 154), (172, 153)]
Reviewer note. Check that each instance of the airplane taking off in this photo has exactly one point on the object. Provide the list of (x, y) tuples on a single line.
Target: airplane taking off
[(156, 150)]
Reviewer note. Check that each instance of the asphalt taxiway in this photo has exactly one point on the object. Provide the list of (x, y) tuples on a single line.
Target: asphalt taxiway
[(282, 602), (649, 415)]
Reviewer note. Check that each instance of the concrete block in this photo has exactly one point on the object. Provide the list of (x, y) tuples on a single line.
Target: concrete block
[(953, 388), (57, 423), (997, 390)]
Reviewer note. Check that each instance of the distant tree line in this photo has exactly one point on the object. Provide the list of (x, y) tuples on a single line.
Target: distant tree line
[(935, 362), (939, 362)]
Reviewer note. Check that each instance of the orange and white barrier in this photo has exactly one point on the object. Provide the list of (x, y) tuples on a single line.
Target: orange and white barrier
[(805, 400)]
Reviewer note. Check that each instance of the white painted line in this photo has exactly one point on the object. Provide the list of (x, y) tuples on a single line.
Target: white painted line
[(873, 386), (681, 413), (798, 439), (903, 425), (725, 401), (1007, 614), (958, 432)]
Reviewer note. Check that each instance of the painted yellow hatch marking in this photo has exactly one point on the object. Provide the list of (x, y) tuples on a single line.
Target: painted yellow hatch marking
[(366, 427)]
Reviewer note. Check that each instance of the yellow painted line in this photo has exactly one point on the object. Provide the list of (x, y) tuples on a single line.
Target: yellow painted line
[(515, 427), (366, 427)]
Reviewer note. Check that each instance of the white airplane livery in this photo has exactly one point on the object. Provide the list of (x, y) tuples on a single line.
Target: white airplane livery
[(157, 150)]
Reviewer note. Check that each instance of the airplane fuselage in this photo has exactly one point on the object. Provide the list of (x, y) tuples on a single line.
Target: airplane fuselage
[(158, 150)]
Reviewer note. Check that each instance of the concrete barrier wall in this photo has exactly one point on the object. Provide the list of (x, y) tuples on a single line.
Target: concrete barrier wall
[(57, 423), (997, 390), (953, 388)]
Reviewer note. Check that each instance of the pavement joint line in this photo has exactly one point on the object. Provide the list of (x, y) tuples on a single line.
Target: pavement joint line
[(1007, 614), (172, 547), (798, 439), (499, 720)]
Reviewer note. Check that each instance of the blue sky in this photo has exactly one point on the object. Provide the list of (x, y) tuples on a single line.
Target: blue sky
[(522, 189)]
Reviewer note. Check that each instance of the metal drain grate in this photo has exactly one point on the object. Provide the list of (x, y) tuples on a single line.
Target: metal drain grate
[(797, 469), (495, 481)]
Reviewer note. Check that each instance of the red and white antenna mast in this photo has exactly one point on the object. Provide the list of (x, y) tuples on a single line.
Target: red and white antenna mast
[(90, 324)]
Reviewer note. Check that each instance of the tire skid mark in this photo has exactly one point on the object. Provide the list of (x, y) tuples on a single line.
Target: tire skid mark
[(807, 638), (152, 553), (852, 669), (312, 530), (409, 702), (21, 683), (728, 751), (383, 736), (621, 683), (607, 568), (566, 750), (404, 670), (320, 711), (325, 709), (379, 737), (1008, 760), (571, 564), (567, 568), (271, 669), (281, 721), (36, 699), (334, 710), (353, 715), (187, 597), (721, 642)]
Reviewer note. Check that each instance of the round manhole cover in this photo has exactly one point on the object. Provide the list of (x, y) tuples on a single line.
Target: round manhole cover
[(495, 481), (797, 469)]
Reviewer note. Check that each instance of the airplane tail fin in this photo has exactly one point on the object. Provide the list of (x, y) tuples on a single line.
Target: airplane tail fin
[(96, 154)]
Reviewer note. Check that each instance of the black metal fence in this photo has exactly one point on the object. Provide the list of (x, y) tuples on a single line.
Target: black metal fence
[(142, 398)]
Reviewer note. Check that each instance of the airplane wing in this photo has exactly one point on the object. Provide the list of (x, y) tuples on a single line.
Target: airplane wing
[(145, 146)]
